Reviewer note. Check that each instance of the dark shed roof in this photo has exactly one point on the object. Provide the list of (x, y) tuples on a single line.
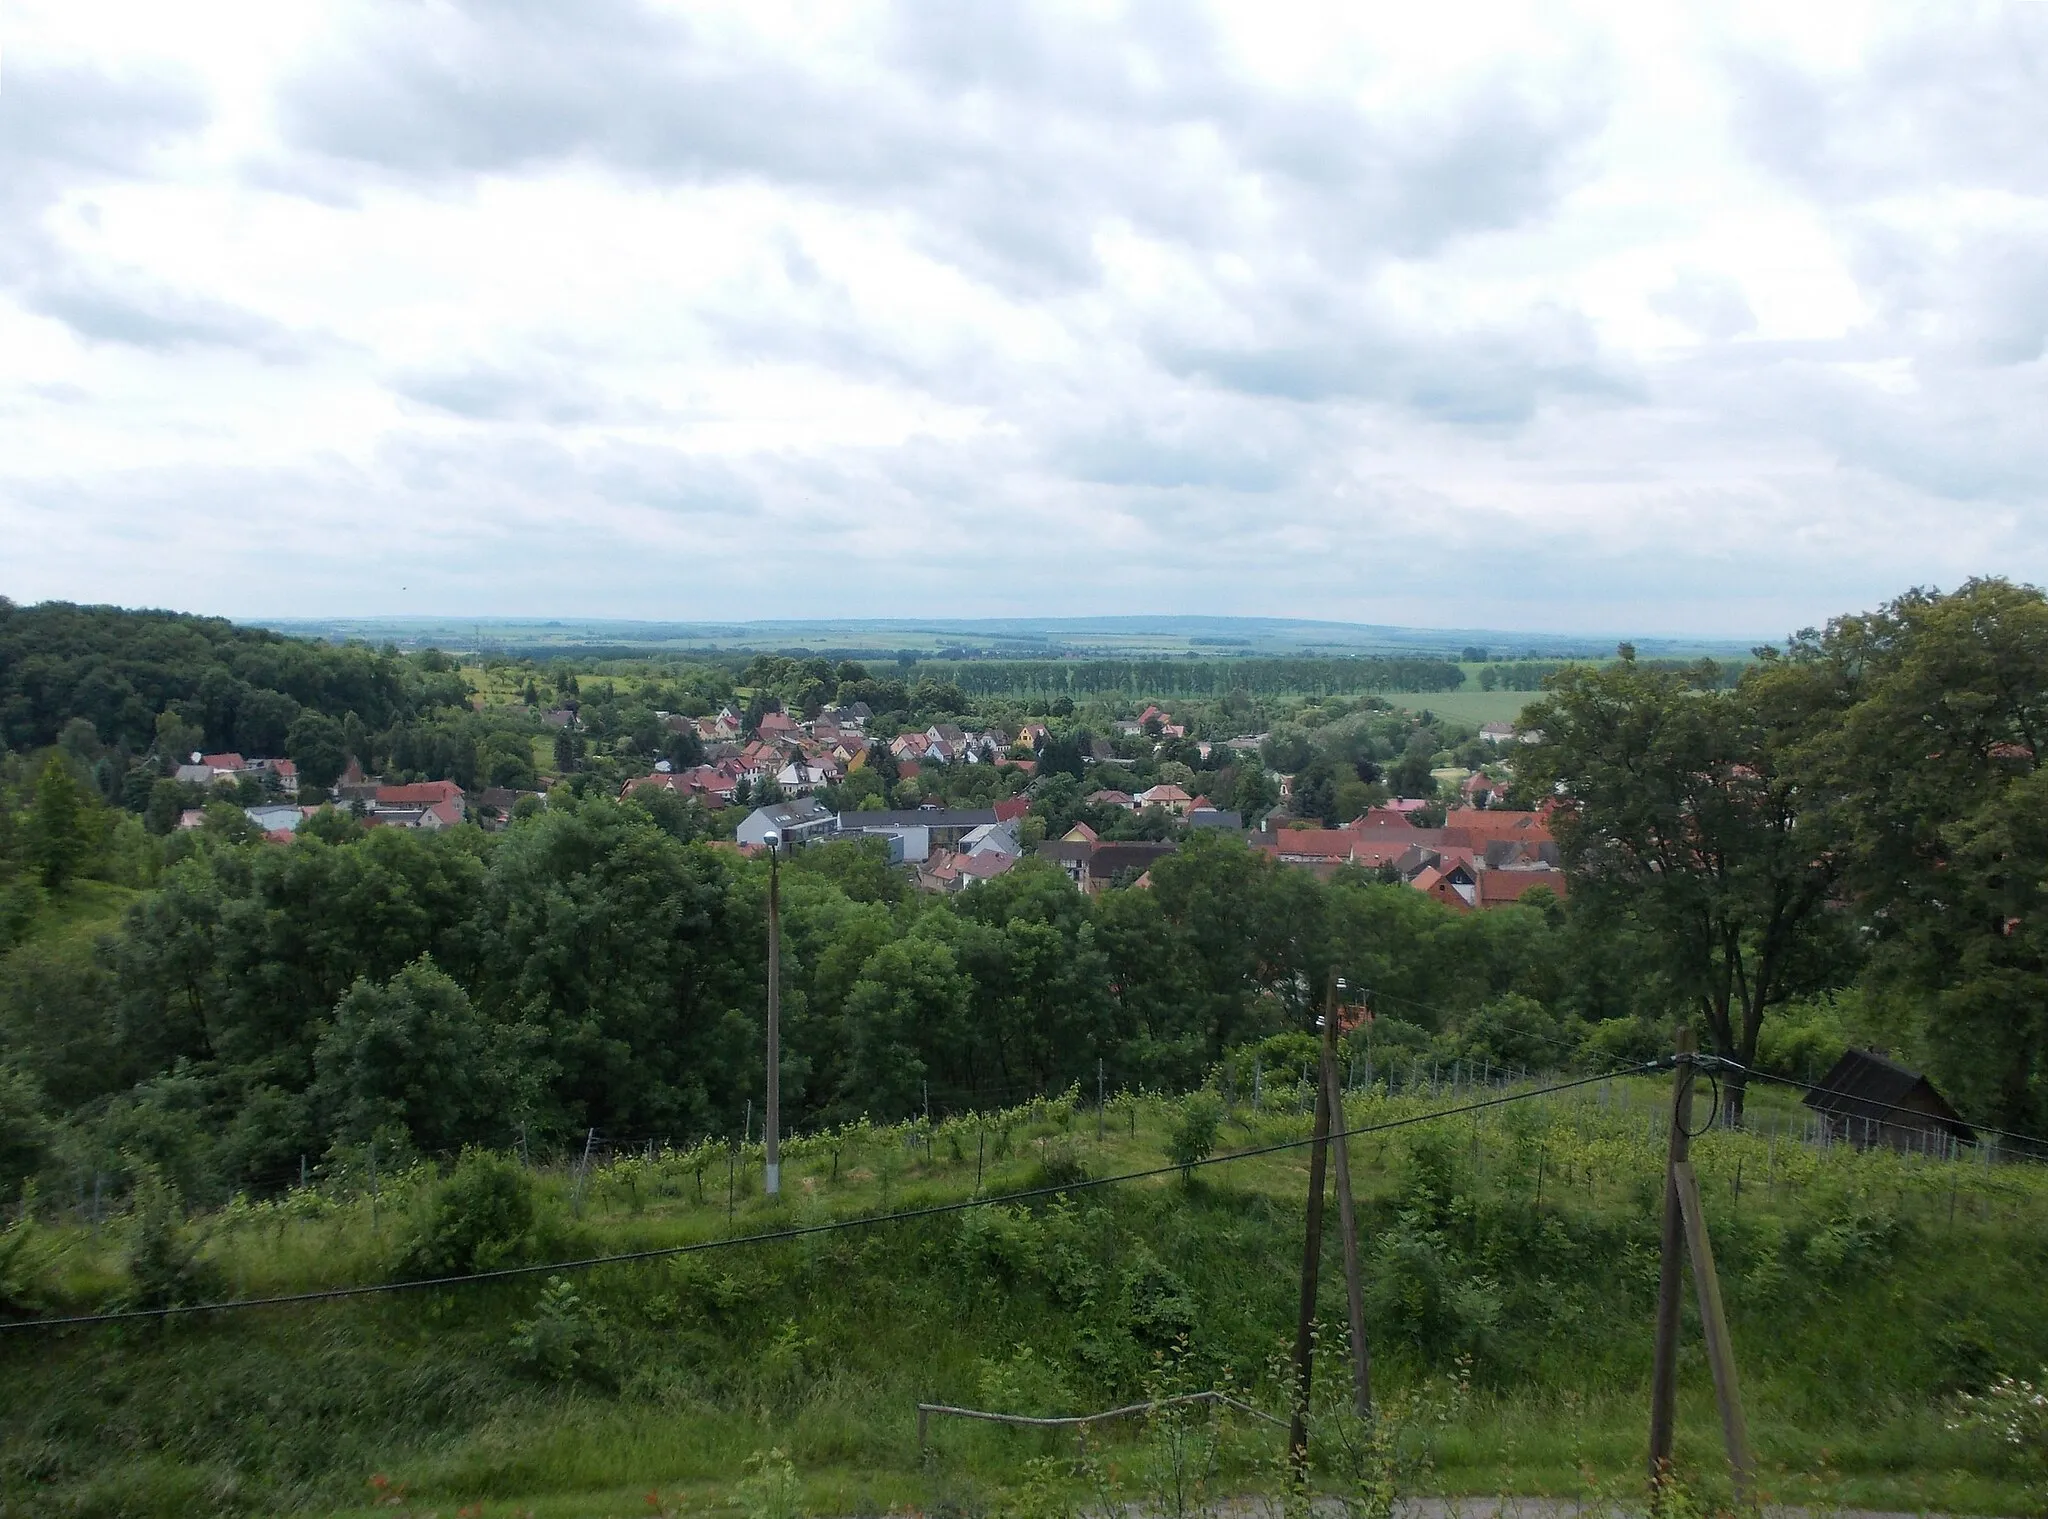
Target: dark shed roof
[(1865, 1085)]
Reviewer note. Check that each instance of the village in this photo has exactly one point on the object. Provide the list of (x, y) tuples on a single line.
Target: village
[(1471, 855)]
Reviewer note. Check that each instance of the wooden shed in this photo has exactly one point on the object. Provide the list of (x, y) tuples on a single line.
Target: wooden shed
[(1869, 1100)]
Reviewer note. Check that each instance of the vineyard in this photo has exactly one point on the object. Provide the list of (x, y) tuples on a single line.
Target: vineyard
[(1510, 1261)]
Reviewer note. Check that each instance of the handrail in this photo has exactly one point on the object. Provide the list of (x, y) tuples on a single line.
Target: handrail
[(1072, 1421)]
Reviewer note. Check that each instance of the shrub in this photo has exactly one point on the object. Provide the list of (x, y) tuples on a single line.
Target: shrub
[(565, 1339), (1196, 1122), (1059, 1163), (770, 1489), (480, 1218), (163, 1255)]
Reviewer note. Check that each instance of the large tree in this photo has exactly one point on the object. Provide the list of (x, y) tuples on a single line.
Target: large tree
[(1687, 809), (1945, 806)]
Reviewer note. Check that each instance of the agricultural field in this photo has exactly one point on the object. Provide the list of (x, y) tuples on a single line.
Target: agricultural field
[(1510, 1261), (1469, 705)]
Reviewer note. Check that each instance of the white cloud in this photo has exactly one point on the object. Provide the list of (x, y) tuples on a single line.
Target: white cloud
[(1591, 318)]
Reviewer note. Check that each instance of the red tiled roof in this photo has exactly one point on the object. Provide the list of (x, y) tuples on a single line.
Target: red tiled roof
[(420, 793), (1497, 888)]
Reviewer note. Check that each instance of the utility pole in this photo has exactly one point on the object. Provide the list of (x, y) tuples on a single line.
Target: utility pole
[(1671, 1267), (771, 1133), (1311, 1261), (1347, 1215)]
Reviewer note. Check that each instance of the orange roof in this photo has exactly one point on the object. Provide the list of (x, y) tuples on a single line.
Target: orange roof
[(1497, 888), (421, 793)]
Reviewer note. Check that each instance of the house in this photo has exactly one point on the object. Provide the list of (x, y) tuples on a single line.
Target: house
[(1215, 817), (909, 843), (282, 772), (444, 798), (1481, 790), (1121, 799), (1502, 888), (1869, 1100), (277, 817), (704, 783), (946, 826), (1094, 867), (777, 725), (211, 770), (1497, 733), (1330, 847), (1080, 833), (1166, 795), (798, 822), (801, 778), (1451, 883), (560, 717), (948, 871), (991, 838), (1010, 809), (401, 815), (985, 866)]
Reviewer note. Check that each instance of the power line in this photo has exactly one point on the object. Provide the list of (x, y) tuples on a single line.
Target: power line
[(778, 1236)]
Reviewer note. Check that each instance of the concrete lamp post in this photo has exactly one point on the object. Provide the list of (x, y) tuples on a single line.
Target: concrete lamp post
[(771, 1154)]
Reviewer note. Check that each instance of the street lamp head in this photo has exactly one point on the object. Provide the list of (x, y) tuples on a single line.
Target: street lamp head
[(772, 839)]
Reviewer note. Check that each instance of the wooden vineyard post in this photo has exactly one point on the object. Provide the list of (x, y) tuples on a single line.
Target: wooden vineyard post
[(1720, 1348), (1670, 1266), (1347, 1219), (1311, 1260)]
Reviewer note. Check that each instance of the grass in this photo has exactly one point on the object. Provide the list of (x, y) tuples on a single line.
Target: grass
[(1512, 1334), (1471, 705)]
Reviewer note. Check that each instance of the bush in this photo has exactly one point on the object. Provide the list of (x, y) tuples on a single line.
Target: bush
[(565, 1339), (1197, 1120), (481, 1217), (1059, 1163), (163, 1256)]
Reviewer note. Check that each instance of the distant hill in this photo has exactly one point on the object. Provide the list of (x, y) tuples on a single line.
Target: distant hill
[(982, 638)]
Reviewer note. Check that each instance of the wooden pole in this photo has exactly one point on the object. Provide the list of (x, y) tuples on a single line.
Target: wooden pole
[(1347, 1220), (1670, 1269), (1720, 1348), (1311, 1259)]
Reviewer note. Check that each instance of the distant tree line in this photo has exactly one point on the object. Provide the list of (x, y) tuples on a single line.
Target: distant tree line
[(1164, 678)]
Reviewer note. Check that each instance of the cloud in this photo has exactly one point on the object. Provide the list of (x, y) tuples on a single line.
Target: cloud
[(1722, 324), (1712, 305), (1955, 98), (67, 117), (137, 312), (1011, 131)]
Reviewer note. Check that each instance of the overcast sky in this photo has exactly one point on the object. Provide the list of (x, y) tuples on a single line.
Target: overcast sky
[(1577, 318)]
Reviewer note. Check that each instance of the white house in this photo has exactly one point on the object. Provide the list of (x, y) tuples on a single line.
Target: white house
[(799, 822)]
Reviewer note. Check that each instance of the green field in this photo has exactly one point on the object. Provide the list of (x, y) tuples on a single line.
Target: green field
[(1470, 705), (1511, 1263)]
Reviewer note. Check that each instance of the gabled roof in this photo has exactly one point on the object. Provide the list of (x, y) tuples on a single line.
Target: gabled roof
[(1865, 1085)]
